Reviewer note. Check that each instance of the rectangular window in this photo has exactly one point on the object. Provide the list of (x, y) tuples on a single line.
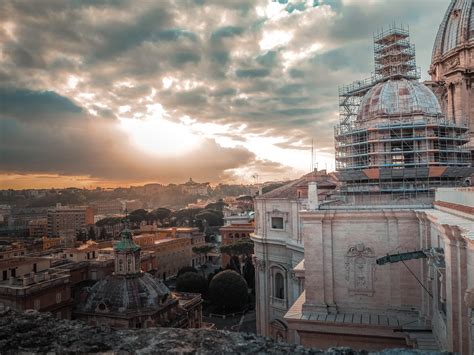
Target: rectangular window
[(277, 222)]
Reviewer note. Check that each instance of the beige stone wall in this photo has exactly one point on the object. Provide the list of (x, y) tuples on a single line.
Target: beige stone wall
[(332, 280)]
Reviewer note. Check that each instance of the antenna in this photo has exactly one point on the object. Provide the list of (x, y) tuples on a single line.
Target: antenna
[(312, 155)]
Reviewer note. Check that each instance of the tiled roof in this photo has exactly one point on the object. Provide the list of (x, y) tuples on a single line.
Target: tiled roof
[(289, 190)]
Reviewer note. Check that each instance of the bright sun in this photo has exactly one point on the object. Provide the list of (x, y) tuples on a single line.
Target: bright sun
[(157, 135)]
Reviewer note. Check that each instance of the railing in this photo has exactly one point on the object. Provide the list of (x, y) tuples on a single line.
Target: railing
[(36, 278)]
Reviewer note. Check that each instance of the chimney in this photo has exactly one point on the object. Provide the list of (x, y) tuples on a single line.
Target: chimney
[(313, 203)]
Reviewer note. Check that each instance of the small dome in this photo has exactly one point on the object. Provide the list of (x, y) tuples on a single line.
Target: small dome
[(456, 29), (121, 294), (398, 97)]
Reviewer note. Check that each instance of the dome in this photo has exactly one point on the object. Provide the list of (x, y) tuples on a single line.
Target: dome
[(122, 294), (398, 97), (456, 29)]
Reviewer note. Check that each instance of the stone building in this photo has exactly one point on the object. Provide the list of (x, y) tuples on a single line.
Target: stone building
[(394, 269), (349, 299), (130, 298), (452, 64), (68, 219), (279, 248), (38, 228), (31, 283), (231, 233)]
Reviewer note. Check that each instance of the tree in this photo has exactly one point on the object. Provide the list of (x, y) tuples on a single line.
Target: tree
[(186, 269), (191, 282), (228, 291), (216, 206), (249, 273), (103, 233), (240, 250), (137, 216), (91, 233), (162, 213), (213, 218)]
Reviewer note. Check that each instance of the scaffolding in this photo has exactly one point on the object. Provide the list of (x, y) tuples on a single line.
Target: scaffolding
[(396, 150)]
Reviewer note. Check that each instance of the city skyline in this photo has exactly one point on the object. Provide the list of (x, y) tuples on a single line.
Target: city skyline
[(118, 94)]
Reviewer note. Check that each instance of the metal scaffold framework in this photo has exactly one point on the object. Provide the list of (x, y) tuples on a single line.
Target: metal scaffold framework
[(391, 127)]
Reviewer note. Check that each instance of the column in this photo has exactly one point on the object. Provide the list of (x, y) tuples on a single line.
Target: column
[(314, 262)]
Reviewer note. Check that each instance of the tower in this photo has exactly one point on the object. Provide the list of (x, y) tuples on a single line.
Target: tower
[(127, 254)]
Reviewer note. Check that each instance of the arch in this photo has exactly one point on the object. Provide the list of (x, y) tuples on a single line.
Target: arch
[(279, 286)]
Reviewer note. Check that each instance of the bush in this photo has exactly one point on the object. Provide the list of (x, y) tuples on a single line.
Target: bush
[(228, 291), (191, 282), (186, 269)]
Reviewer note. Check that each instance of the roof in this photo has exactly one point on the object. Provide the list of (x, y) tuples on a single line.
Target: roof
[(122, 294), (289, 190), (456, 29), (398, 97), (126, 242)]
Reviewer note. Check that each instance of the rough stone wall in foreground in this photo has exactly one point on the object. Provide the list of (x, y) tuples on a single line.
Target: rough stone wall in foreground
[(41, 333)]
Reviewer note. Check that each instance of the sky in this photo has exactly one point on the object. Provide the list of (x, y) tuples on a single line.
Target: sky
[(118, 93)]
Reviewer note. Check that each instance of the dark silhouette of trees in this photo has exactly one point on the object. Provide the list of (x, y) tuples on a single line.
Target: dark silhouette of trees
[(228, 291), (186, 269), (240, 250), (91, 234), (103, 233), (191, 282)]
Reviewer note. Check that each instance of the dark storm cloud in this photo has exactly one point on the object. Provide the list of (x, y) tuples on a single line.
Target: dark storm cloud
[(209, 52), (27, 105), (252, 73), (93, 146)]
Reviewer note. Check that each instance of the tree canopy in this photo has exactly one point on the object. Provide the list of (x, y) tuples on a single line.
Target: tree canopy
[(228, 291), (186, 269), (191, 282), (242, 247)]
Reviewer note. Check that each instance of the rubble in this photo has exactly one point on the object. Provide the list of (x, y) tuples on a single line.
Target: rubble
[(34, 332)]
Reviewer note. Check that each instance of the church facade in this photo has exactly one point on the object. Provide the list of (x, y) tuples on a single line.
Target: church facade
[(397, 272)]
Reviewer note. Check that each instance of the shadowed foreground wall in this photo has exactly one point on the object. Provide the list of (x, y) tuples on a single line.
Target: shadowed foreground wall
[(40, 333)]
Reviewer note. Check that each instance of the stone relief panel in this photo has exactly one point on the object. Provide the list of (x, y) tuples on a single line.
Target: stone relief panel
[(360, 269)]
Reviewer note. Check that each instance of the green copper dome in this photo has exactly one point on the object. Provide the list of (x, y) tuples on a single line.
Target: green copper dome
[(126, 243)]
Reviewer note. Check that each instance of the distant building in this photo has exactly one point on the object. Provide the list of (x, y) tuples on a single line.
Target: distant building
[(38, 228), (107, 208), (31, 283), (11, 251), (235, 228), (67, 218), (132, 205), (195, 188), (131, 298), (50, 243), (172, 247)]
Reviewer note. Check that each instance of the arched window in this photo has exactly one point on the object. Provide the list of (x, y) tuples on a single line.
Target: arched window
[(279, 291), (120, 263)]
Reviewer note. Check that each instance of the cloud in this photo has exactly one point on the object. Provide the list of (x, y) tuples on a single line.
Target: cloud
[(273, 66), (27, 105), (99, 148)]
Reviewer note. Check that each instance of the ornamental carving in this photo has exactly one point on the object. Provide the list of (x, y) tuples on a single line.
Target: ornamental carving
[(360, 269), (452, 63), (260, 264)]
